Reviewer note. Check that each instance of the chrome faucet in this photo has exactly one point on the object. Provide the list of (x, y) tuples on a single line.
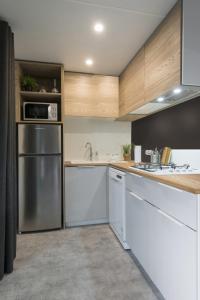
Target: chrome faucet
[(90, 148)]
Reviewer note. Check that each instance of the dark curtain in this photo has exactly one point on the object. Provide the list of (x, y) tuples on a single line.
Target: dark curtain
[(8, 191)]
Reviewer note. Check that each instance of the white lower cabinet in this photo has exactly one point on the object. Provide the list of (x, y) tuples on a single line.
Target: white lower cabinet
[(173, 256), (136, 226), (86, 195), (165, 247)]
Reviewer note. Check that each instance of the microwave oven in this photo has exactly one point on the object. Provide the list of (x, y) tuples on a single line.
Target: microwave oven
[(40, 111)]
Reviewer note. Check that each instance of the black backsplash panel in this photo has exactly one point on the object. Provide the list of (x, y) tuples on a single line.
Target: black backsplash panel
[(177, 127)]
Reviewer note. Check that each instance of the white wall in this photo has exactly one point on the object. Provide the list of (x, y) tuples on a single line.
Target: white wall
[(106, 136)]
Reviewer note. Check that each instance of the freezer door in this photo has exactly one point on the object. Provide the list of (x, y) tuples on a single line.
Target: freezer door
[(39, 193), (39, 139)]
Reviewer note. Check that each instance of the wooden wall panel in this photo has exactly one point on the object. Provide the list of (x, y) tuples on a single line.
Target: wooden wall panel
[(62, 91), (90, 95), (18, 74), (163, 56)]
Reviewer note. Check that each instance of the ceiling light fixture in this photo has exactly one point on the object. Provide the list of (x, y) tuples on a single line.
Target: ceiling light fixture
[(177, 91), (89, 62), (160, 99), (98, 27)]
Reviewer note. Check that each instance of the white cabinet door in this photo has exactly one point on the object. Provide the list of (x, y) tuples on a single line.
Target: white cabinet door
[(165, 248), (173, 256), (137, 227), (86, 195)]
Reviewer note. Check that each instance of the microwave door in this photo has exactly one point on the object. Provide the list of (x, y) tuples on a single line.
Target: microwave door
[(38, 111)]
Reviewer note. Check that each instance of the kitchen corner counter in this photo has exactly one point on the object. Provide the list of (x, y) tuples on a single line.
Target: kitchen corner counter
[(189, 183)]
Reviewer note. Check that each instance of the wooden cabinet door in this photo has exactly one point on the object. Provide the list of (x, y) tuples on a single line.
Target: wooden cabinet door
[(163, 56), (90, 95), (131, 85)]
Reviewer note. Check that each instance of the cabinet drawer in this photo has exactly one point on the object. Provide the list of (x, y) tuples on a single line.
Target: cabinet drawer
[(135, 183), (175, 202)]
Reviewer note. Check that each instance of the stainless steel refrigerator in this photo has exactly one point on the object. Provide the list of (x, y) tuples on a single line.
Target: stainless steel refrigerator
[(39, 177)]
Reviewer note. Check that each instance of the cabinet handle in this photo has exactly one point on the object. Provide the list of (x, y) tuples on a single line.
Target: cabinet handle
[(116, 179), (136, 196), (136, 175), (170, 187), (170, 218)]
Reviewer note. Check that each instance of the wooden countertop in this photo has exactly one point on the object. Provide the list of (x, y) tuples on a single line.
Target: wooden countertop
[(85, 163), (189, 183)]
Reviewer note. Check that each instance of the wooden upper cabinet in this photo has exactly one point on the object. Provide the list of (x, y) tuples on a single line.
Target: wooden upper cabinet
[(90, 95), (163, 56), (156, 69), (131, 84)]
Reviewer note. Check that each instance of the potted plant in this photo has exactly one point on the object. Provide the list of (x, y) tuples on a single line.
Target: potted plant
[(28, 83), (127, 151)]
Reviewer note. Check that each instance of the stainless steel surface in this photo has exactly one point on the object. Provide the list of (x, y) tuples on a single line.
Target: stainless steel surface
[(88, 145), (39, 177), (39, 193), (154, 156), (39, 139)]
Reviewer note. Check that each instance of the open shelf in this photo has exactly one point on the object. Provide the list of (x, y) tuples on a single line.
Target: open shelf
[(39, 95), (45, 75), (41, 121)]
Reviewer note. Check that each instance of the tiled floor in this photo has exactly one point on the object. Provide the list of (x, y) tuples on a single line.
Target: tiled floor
[(84, 263)]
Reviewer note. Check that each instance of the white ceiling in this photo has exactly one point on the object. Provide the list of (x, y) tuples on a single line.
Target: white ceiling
[(62, 30)]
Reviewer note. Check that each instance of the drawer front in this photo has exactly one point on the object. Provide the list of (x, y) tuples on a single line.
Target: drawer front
[(135, 183), (175, 202)]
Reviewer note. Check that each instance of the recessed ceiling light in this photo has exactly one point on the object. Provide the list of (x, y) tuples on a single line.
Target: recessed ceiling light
[(89, 62), (177, 91), (160, 99), (98, 27)]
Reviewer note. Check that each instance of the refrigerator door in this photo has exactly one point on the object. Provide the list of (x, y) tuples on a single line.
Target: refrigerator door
[(39, 193), (39, 139)]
